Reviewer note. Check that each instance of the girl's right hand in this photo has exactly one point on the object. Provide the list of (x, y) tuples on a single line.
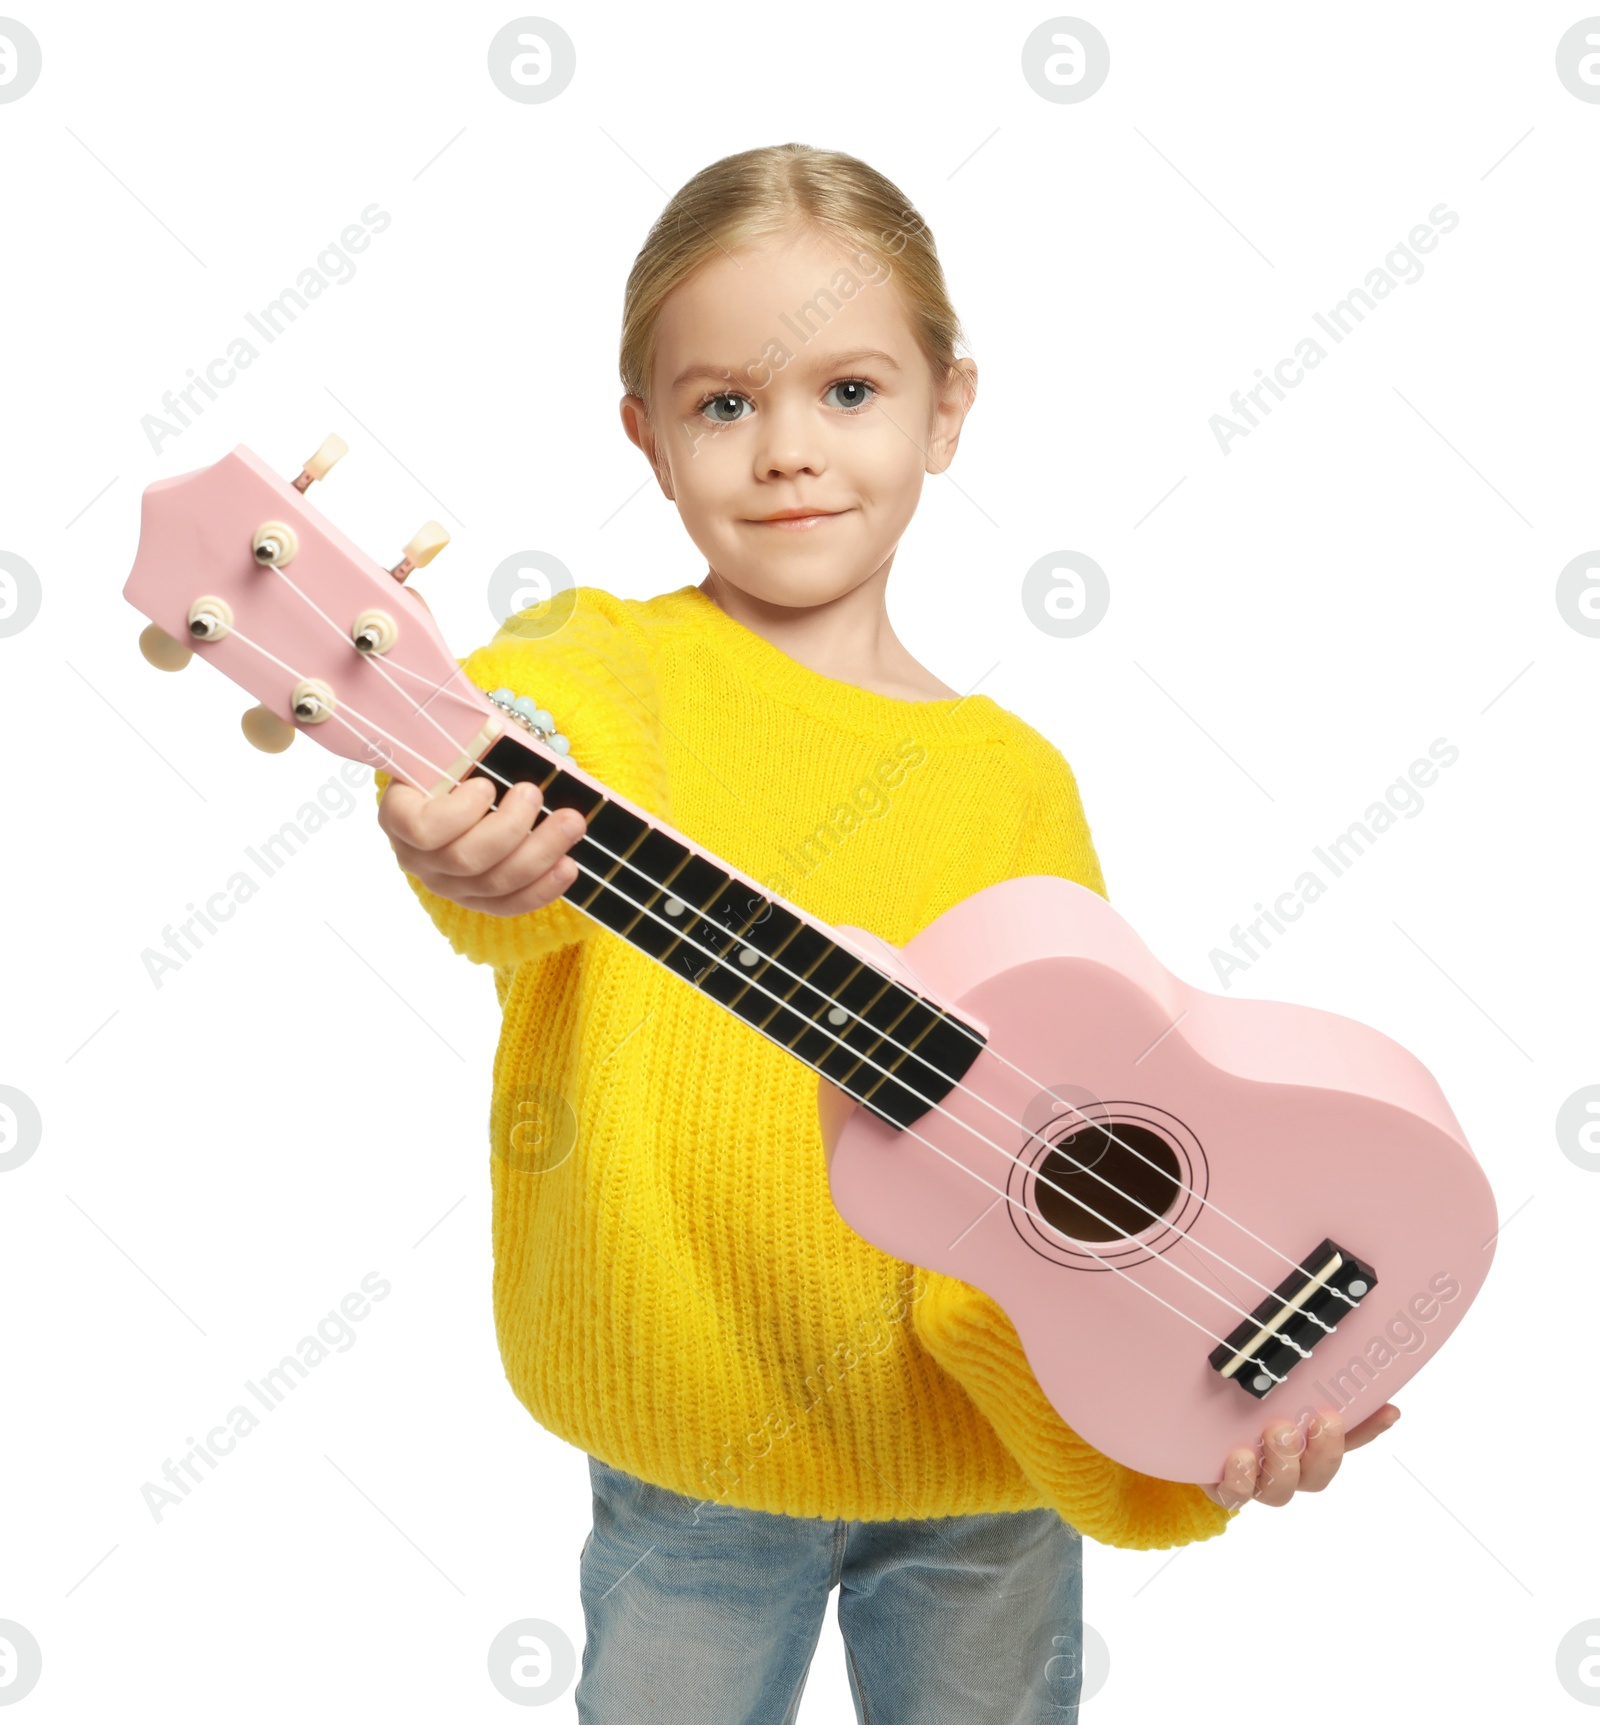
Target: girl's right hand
[(481, 857)]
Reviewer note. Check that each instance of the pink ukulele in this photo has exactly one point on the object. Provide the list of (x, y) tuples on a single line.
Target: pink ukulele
[(1199, 1213)]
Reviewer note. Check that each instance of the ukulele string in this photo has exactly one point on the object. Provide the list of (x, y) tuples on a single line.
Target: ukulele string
[(383, 670), (1105, 1131), (839, 1040), (373, 659), (956, 1024)]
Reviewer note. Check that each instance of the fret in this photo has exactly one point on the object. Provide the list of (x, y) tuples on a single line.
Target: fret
[(507, 759), (876, 1039), (807, 987), (795, 977), (907, 1046), (803, 949), (790, 925), (637, 886), (901, 1045), (849, 986), (614, 829)]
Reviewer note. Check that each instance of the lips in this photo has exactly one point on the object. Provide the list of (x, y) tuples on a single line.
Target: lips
[(798, 520)]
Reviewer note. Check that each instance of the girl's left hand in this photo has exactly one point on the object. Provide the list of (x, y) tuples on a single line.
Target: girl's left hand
[(1294, 1462)]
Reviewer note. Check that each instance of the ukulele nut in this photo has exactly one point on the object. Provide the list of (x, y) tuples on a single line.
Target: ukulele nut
[(210, 618), (274, 543), (312, 701), (374, 632)]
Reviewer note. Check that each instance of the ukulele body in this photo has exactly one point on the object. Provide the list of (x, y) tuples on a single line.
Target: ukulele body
[(1232, 1140)]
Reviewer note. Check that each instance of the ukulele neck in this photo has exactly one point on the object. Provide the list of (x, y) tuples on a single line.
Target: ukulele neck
[(783, 973)]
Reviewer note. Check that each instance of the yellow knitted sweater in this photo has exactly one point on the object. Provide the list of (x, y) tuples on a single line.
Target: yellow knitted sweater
[(674, 1291)]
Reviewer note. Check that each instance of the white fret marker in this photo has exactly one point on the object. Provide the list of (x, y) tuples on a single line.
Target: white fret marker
[(838, 1015), (748, 955), (673, 907)]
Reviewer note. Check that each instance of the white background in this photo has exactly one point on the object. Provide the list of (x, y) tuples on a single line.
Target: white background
[(226, 1156)]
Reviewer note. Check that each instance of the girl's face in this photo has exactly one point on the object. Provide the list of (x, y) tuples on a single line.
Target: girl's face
[(786, 378)]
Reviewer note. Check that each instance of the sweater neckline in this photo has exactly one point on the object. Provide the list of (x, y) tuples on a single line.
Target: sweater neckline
[(952, 718)]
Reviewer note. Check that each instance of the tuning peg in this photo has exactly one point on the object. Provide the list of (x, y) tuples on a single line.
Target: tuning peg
[(332, 448), (165, 653), (421, 548), (275, 543), (264, 730)]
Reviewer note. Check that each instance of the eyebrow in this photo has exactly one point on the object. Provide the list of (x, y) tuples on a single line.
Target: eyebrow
[(825, 362)]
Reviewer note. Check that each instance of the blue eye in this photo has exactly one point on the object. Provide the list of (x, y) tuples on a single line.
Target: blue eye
[(720, 397), (855, 383), (727, 397)]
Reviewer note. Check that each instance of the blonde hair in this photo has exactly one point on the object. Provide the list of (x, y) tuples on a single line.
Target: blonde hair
[(769, 192)]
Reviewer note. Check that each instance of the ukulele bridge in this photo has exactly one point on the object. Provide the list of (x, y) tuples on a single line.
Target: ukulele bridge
[(1300, 1312)]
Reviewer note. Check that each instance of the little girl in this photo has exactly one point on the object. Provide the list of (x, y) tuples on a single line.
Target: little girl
[(770, 1405)]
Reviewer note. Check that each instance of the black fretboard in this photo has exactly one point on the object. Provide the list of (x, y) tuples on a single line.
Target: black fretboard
[(880, 1042)]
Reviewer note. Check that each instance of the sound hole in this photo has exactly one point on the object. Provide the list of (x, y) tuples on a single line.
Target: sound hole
[(1113, 1181)]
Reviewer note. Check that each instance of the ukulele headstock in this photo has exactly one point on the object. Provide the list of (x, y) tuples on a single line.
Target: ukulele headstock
[(235, 566)]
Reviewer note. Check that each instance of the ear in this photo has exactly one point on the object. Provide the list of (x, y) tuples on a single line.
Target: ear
[(636, 422), (952, 404)]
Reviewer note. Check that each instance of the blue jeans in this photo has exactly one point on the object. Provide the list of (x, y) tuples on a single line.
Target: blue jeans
[(704, 1614)]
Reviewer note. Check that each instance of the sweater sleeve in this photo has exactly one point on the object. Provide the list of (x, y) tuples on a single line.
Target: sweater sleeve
[(593, 675), (972, 1339), (970, 1336), (1055, 837)]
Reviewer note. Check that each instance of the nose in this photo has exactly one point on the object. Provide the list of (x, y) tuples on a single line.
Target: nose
[(790, 441)]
